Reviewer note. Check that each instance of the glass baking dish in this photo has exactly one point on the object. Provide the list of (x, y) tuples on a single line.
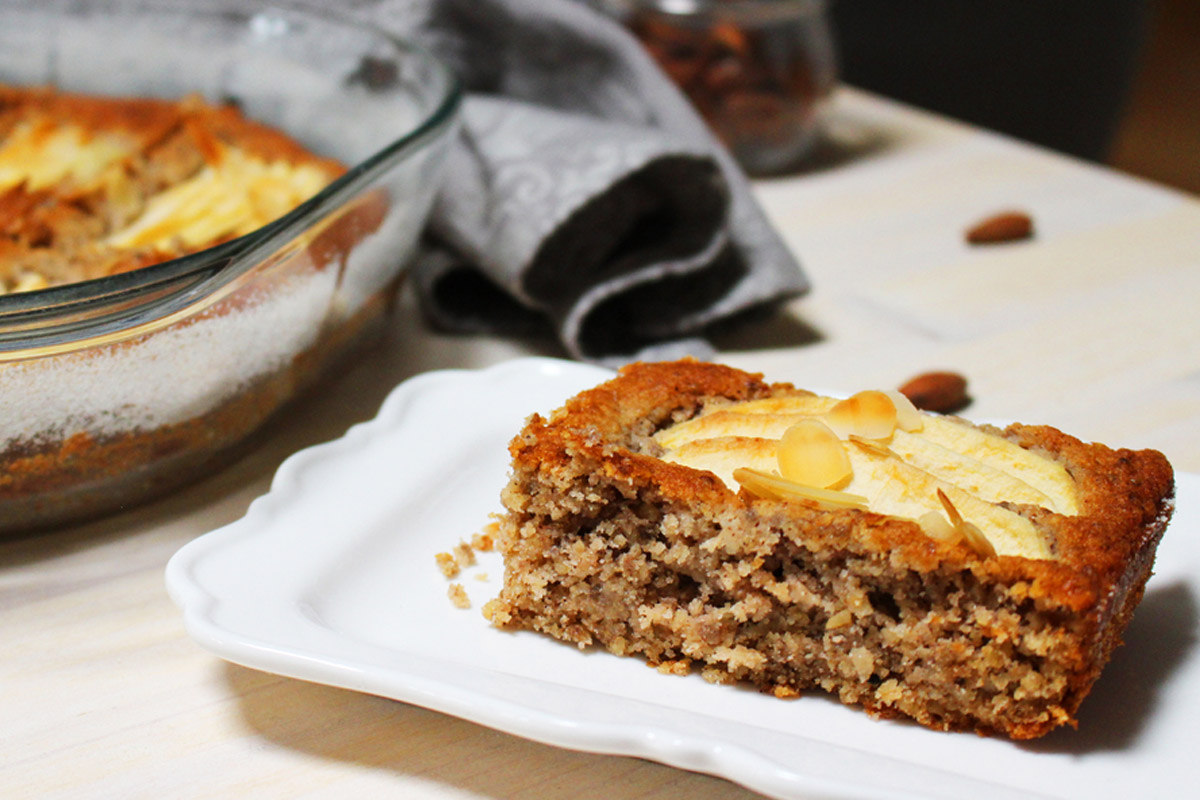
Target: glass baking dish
[(116, 389)]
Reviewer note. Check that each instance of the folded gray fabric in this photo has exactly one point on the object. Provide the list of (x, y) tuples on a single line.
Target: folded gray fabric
[(584, 196)]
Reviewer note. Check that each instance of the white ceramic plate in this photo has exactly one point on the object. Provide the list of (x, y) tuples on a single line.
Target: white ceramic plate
[(331, 578)]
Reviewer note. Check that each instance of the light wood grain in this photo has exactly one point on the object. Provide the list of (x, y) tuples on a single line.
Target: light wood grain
[(1092, 326)]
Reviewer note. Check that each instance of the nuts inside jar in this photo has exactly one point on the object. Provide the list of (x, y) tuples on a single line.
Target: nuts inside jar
[(757, 78)]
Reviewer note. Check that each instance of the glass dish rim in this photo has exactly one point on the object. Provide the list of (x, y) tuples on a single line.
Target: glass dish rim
[(28, 319)]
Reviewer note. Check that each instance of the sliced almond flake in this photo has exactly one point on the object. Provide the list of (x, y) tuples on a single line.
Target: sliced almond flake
[(970, 532), (935, 526), (762, 484), (871, 446), (870, 414), (811, 454), (975, 539), (908, 418), (955, 518)]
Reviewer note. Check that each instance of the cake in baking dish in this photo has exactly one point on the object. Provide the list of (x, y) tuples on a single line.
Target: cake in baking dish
[(92, 186), (917, 565), (130, 401)]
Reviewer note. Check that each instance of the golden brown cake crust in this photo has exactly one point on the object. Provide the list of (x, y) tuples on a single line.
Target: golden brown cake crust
[(1103, 556)]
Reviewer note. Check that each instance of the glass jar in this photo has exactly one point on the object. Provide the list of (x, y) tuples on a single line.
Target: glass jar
[(758, 71)]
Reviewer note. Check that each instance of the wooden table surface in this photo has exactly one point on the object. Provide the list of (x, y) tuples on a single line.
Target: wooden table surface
[(1093, 326)]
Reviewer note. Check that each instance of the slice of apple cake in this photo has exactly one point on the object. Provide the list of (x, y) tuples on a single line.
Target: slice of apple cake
[(917, 565)]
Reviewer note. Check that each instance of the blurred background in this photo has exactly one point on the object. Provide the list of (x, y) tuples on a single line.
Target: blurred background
[(1112, 81), (1116, 81), (1158, 135)]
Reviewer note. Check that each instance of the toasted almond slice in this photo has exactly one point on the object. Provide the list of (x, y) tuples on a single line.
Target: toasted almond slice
[(773, 487), (908, 418), (870, 414), (955, 518), (811, 454), (873, 447), (975, 539), (935, 526), (969, 531)]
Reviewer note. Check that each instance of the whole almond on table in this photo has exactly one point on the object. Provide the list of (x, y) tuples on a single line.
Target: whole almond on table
[(943, 392), (1009, 226)]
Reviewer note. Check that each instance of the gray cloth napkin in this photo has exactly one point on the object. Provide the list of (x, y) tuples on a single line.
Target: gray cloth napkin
[(584, 195), (585, 198)]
